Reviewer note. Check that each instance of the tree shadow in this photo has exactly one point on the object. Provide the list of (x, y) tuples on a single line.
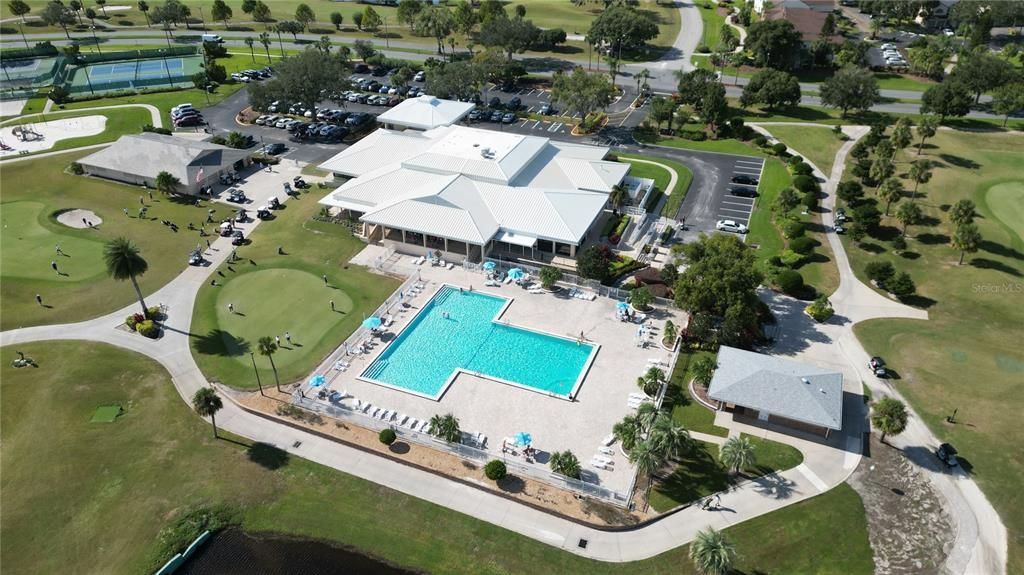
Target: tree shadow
[(886, 233), (774, 485), (511, 484), (1000, 250), (909, 255), (928, 220), (933, 239), (267, 455), (987, 264), (871, 248), (960, 162), (695, 475), (918, 301), (220, 342)]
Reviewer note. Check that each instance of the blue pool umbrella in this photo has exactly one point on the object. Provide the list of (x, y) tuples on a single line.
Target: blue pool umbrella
[(372, 322), (516, 273), (622, 306), (489, 266), (522, 439)]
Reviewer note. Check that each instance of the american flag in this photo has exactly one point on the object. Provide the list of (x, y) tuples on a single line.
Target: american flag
[(199, 176)]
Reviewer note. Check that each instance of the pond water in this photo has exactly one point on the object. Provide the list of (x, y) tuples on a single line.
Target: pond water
[(233, 552)]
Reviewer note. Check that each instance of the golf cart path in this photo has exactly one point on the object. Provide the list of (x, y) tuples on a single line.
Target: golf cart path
[(981, 539)]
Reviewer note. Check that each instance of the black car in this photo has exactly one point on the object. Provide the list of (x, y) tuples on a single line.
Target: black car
[(947, 454), (495, 103), (744, 179), (514, 103), (361, 69), (190, 121), (274, 149), (496, 116), (743, 191), (379, 71)]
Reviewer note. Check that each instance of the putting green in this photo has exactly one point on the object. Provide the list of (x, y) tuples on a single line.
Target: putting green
[(1007, 204), (272, 302), (27, 246)]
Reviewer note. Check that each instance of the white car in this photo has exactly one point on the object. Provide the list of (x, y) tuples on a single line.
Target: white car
[(731, 226), (262, 120), (420, 76), (947, 31), (282, 123), (888, 46), (241, 78)]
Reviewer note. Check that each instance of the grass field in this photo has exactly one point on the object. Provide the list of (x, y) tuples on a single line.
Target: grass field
[(163, 101), (35, 190), (819, 145), (968, 355), (119, 122), (713, 21), (105, 490), (284, 294), (685, 410)]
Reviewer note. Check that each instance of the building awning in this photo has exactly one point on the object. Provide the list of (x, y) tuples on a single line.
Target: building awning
[(517, 239)]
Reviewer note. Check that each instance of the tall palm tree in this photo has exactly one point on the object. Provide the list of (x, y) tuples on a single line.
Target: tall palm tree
[(565, 463), (144, 8), (926, 129), (908, 214), (966, 238), (207, 403), (920, 173), (738, 453), (250, 42), (890, 191), (647, 459), (632, 429), (265, 40), (124, 262), (703, 369), (889, 416), (617, 197), (712, 553), (641, 77), (668, 437), (268, 347), (167, 182), (446, 427)]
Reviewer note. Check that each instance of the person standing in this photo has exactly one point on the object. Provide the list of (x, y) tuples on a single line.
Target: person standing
[(151, 195), (54, 266), (59, 252), (126, 211), (332, 305), (288, 337), (325, 279), (277, 338), (39, 299), (142, 201), (231, 308)]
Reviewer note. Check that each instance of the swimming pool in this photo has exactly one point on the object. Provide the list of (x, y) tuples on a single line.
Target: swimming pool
[(456, 331)]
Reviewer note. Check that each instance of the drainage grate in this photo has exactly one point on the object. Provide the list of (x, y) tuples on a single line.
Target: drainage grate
[(582, 544)]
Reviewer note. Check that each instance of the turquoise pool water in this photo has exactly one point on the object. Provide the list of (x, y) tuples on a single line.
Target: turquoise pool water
[(426, 353)]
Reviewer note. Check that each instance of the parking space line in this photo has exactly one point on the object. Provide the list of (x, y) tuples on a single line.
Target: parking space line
[(747, 172), (555, 127), (526, 121), (535, 123), (724, 209), (530, 109), (751, 162), (727, 202)]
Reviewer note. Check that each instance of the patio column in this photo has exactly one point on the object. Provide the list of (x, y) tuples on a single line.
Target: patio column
[(403, 237), (572, 251), (446, 245)]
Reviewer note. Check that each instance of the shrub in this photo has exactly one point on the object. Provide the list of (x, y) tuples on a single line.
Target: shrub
[(77, 169), (133, 320), (790, 282), (155, 130), (794, 160), (779, 148), (901, 285), (148, 329), (805, 183), (810, 200), (219, 140), (899, 244), (495, 470), (879, 272), (704, 49), (695, 135), (760, 141), (387, 436), (803, 169), (793, 230), (821, 309), (641, 298), (775, 261), (549, 276), (736, 123), (790, 259), (802, 245), (153, 312)]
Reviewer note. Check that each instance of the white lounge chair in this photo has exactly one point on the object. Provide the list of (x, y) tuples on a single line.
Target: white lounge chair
[(388, 320), (359, 403), (425, 426), (385, 415), (603, 459), (401, 418), (412, 423), (638, 396), (442, 263), (601, 465), (606, 450), (609, 439), (508, 280), (450, 266), (375, 412)]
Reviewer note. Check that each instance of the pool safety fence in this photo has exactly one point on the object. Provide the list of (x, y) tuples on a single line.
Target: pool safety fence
[(479, 456)]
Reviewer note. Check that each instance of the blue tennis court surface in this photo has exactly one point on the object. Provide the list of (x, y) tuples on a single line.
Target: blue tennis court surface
[(140, 69)]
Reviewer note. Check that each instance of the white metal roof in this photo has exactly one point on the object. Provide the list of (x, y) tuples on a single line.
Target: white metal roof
[(426, 112), (378, 149)]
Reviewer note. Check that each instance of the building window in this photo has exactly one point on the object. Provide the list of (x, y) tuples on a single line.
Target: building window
[(394, 235), (563, 249), (546, 246), (457, 247), (414, 238), (435, 243)]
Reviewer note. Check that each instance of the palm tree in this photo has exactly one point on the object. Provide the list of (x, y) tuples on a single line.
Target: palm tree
[(920, 172), (167, 182), (738, 453), (890, 191), (651, 381), (628, 431), (926, 129), (712, 553), (265, 40), (668, 437), (966, 238), (249, 42), (565, 463), (670, 333), (647, 459), (446, 427), (889, 416), (962, 212), (908, 214), (268, 347), (617, 197), (144, 8), (703, 369), (641, 77), (125, 263), (207, 403)]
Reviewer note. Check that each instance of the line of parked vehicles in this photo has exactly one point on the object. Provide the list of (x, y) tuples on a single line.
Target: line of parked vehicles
[(247, 76), (184, 115), (330, 125), (892, 56)]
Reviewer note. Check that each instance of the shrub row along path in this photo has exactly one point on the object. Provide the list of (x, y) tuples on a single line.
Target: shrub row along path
[(981, 538), (980, 545)]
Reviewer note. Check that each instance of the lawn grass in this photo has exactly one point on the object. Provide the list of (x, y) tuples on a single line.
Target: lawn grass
[(119, 123), (37, 189), (712, 21), (890, 81), (774, 456), (163, 101), (968, 355), (819, 145), (725, 146), (684, 177), (763, 232), (285, 293), (685, 410), (832, 117)]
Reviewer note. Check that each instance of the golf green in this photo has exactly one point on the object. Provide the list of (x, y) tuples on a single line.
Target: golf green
[(28, 247), (272, 302), (1006, 201)]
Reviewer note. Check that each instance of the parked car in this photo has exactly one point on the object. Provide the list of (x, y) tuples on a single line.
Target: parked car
[(508, 118), (839, 229), (743, 191), (494, 103), (514, 103), (261, 120), (274, 149), (947, 454), (840, 215), (474, 116), (877, 366), (393, 101), (730, 226), (282, 123), (189, 121), (361, 69), (744, 179), (420, 76), (275, 106), (546, 110), (496, 115), (239, 77), (379, 71)]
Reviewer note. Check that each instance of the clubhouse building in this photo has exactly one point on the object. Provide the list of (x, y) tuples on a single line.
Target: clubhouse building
[(462, 193)]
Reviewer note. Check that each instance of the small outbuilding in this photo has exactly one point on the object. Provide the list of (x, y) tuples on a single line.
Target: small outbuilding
[(137, 159), (424, 113), (776, 390)]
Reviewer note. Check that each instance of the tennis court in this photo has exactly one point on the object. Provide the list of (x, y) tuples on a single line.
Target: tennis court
[(135, 73)]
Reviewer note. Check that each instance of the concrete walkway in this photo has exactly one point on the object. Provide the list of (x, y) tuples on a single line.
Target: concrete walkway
[(154, 113)]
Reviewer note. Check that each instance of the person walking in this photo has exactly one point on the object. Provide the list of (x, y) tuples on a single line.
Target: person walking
[(280, 250), (325, 278), (151, 195), (59, 252), (54, 266), (277, 338), (85, 222), (207, 244), (142, 201), (231, 308), (288, 337), (39, 299)]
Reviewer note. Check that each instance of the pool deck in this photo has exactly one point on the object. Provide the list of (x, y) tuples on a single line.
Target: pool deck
[(498, 410)]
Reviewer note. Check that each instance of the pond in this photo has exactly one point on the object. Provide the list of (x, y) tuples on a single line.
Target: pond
[(234, 552)]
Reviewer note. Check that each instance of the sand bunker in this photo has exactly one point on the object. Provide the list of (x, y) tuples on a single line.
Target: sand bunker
[(41, 136), (79, 219)]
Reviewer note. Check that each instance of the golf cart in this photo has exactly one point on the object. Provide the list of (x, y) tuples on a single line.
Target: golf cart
[(237, 196), (274, 204), (947, 454), (243, 215), (196, 258), (877, 366), (263, 213), (237, 238), (226, 229), (299, 182)]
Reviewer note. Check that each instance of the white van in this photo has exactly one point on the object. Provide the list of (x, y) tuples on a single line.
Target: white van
[(215, 38)]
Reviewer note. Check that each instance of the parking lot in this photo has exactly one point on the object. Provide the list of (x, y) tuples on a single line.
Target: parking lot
[(735, 207)]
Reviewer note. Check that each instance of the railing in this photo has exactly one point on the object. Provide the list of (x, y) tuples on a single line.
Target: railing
[(467, 452)]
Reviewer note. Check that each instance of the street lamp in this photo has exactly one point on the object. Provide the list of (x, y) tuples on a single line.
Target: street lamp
[(258, 382)]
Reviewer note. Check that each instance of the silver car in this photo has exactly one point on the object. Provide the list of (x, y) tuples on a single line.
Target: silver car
[(731, 226)]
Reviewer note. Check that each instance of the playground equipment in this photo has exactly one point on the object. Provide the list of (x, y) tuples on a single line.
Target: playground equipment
[(4, 147), (26, 133)]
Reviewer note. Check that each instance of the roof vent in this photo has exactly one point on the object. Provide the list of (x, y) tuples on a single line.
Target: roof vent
[(485, 151), (805, 380)]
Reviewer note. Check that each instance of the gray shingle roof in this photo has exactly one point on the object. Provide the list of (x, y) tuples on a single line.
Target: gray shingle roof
[(149, 154), (778, 386)]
